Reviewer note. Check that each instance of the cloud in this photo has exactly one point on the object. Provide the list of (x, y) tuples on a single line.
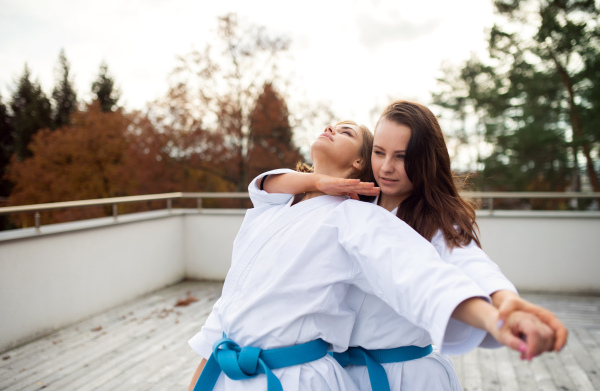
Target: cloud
[(376, 30)]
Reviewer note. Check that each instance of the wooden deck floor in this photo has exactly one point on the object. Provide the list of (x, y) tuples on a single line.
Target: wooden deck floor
[(143, 346)]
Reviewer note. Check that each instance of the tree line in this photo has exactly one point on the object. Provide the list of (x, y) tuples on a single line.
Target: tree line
[(222, 122), (535, 100)]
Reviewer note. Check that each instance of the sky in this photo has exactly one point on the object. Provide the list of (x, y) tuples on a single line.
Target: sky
[(356, 55)]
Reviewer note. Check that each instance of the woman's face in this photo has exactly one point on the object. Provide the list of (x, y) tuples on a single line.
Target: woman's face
[(387, 159), (337, 150)]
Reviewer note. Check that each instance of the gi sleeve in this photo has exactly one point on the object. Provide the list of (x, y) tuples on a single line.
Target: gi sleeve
[(395, 263), (202, 342), (476, 264), (260, 197)]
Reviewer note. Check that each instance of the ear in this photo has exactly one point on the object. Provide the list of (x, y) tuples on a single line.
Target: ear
[(358, 165)]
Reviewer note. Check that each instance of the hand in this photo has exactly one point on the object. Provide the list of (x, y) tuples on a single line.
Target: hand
[(340, 186), (516, 303), (535, 336)]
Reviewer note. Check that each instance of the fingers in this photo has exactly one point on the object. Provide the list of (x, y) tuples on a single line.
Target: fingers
[(507, 338), (555, 324), (365, 188), (538, 336), (546, 316), (342, 186)]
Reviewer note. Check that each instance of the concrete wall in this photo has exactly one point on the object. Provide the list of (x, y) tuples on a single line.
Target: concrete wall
[(208, 242), (545, 251), (72, 271), (50, 281)]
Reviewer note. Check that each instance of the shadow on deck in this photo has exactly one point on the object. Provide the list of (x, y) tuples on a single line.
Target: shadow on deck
[(143, 346)]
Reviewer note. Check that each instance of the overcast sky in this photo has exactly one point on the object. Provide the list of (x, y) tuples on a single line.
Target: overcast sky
[(395, 47)]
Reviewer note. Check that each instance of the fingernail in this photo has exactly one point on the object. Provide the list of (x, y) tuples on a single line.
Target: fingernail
[(500, 324), (522, 347)]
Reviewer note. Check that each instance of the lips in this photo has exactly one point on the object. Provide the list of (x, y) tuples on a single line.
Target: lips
[(327, 135), (387, 180)]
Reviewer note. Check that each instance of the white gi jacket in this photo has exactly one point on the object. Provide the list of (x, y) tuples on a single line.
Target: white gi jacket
[(302, 272), (379, 327)]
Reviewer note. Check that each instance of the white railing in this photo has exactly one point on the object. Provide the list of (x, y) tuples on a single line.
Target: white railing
[(169, 197), (36, 209)]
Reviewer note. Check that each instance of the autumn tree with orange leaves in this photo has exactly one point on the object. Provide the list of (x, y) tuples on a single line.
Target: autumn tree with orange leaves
[(222, 122), (101, 155), (225, 92), (271, 144)]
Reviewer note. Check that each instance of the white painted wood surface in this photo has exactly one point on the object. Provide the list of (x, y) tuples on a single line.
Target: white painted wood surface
[(143, 346)]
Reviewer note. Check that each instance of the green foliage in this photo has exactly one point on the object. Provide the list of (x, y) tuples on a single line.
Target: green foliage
[(537, 96), (31, 112), (63, 95), (104, 89)]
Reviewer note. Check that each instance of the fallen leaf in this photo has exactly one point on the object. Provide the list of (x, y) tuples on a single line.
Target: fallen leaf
[(185, 302)]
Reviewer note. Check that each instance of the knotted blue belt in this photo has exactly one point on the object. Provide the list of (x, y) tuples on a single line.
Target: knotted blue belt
[(244, 363), (375, 357)]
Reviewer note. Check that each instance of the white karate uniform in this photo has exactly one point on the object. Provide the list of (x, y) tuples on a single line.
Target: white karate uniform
[(303, 272), (378, 326)]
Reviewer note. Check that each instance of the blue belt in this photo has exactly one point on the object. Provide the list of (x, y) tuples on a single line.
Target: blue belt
[(244, 363), (374, 358)]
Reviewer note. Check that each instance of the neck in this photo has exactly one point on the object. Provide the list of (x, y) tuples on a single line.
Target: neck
[(329, 171), (391, 202)]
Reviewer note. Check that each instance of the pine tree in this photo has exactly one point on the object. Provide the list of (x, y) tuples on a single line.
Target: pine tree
[(31, 112), (64, 96), (104, 90), (271, 145), (7, 147)]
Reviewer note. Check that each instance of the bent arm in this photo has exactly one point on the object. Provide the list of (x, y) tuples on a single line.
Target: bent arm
[(290, 183)]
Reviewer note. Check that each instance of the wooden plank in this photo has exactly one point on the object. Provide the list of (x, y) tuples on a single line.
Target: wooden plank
[(523, 371), (592, 346), (507, 374), (542, 376), (67, 339), (489, 374), (88, 357), (560, 377), (472, 380), (578, 363), (125, 358), (83, 351)]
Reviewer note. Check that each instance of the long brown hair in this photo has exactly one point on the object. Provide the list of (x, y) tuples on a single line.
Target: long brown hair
[(434, 203), (365, 174)]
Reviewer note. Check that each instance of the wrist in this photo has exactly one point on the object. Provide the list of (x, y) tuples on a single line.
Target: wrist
[(501, 296)]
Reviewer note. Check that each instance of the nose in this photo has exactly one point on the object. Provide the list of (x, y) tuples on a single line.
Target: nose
[(328, 129), (387, 166)]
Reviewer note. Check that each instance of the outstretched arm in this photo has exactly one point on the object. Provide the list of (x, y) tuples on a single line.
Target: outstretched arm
[(476, 264), (301, 182), (519, 331)]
